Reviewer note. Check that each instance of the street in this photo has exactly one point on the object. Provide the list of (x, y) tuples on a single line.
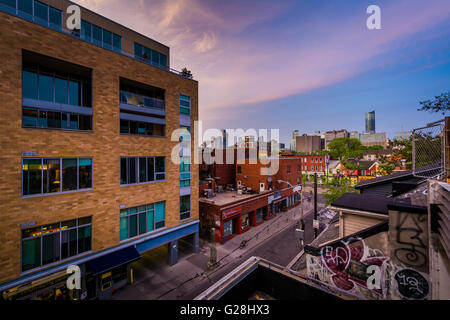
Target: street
[(274, 240)]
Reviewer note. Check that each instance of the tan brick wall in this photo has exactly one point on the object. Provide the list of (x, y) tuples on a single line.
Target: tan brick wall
[(105, 144)]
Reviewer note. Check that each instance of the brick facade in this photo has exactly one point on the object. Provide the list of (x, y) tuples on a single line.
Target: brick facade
[(104, 144)]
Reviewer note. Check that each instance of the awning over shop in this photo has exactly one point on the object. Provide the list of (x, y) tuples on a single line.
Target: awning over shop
[(113, 260)]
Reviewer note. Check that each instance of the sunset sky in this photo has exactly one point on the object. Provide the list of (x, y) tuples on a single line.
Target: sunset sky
[(306, 65)]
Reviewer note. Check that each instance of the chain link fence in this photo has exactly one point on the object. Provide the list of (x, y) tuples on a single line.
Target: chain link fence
[(428, 151)]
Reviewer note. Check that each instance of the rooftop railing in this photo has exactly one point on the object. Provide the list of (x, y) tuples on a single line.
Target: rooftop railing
[(141, 101), (77, 34)]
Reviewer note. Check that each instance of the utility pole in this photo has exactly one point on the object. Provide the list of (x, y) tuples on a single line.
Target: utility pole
[(315, 203)]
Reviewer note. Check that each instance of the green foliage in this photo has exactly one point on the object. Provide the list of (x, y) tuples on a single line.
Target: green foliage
[(376, 147), (440, 103), (405, 146), (386, 168), (335, 193), (187, 73), (345, 148)]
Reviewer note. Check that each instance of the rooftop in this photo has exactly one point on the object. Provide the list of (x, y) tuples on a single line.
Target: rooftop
[(229, 197)]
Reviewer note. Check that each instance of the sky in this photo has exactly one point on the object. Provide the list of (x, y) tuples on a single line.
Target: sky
[(301, 65)]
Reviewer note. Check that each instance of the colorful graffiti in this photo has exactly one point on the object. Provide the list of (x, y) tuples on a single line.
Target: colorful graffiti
[(349, 265)]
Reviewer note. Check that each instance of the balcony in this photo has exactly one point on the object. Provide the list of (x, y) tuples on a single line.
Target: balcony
[(54, 22), (141, 101)]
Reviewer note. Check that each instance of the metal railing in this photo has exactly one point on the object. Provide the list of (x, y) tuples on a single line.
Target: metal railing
[(428, 151), (77, 34), (141, 101)]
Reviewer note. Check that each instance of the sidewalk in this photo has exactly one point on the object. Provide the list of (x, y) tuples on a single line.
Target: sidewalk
[(157, 280)]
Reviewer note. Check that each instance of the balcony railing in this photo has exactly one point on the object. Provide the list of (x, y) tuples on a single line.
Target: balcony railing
[(77, 34), (141, 101)]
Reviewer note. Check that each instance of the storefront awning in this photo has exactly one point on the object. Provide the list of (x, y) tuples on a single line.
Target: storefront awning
[(113, 260)]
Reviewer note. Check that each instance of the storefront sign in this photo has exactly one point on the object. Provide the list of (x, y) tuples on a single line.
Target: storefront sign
[(231, 212)]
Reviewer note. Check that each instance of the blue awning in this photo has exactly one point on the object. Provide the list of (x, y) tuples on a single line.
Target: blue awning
[(113, 260)]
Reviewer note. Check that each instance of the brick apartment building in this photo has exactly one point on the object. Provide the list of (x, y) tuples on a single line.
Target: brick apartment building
[(314, 164), (251, 200), (86, 171)]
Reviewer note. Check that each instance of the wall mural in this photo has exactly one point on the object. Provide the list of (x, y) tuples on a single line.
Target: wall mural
[(357, 268)]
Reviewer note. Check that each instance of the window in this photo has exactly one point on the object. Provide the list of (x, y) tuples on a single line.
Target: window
[(141, 170), (149, 56), (185, 207), (185, 105), (239, 169), (141, 220), (288, 169), (43, 176), (185, 175), (259, 215), (299, 168), (142, 128), (54, 242), (100, 37)]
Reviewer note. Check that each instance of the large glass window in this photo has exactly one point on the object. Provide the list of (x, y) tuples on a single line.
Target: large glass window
[(43, 176), (150, 56), (140, 170), (141, 220), (142, 128), (54, 242), (185, 207), (36, 118), (55, 18), (185, 104), (41, 12), (228, 228), (101, 37)]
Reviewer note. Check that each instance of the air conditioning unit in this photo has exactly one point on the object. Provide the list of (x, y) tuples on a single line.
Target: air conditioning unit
[(261, 187)]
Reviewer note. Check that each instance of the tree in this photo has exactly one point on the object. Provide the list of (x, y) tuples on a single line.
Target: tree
[(187, 73), (386, 168), (345, 148), (335, 193), (440, 103)]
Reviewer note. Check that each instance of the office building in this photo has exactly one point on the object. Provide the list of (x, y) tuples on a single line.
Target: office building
[(370, 122), (86, 175)]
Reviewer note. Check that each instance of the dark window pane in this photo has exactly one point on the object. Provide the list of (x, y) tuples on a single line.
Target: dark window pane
[(160, 176), (31, 254), (41, 12), (85, 173), (137, 50), (124, 126), (133, 127), (61, 93), (97, 35), (185, 203), (32, 176), (9, 3), (25, 6), (142, 223), (149, 129), (163, 60), (83, 221), (54, 119), (74, 122), (117, 42), (84, 239), (43, 119), (142, 170), (64, 120), (69, 174), (52, 172), (74, 93), (133, 226), (29, 117), (155, 57), (29, 85), (45, 87), (68, 243), (69, 224), (123, 228), (141, 128), (85, 122), (160, 164), (132, 170), (86, 30), (55, 18), (151, 169), (107, 39), (123, 171), (158, 130), (50, 248)]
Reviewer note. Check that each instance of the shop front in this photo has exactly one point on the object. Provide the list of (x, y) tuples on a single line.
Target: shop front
[(231, 223)]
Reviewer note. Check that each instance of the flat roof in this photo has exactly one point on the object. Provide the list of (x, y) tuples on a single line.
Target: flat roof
[(229, 197)]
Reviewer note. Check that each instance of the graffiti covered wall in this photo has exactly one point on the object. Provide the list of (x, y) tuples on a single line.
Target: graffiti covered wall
[(390, 264)]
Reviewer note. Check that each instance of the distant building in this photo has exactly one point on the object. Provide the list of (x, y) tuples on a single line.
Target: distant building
[(373, 139), (295, 134), (370, 122), (308, 144), (331, 135), (402, 135)]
